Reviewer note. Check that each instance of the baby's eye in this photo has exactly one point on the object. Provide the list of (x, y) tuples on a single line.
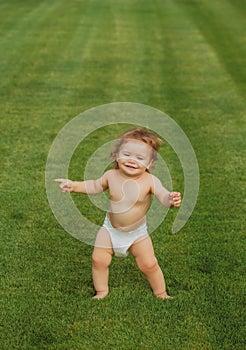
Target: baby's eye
[(140, 158), (126, 154)]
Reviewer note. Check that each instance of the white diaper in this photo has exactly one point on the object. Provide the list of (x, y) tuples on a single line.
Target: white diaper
[(121, 240)]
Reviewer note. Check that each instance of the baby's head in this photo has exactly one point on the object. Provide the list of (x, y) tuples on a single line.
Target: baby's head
[(137, 145)]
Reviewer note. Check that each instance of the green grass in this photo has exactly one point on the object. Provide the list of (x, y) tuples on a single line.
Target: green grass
[(58, 59)]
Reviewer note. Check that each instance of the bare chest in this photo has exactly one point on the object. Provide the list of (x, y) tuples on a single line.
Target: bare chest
[(128, 191)]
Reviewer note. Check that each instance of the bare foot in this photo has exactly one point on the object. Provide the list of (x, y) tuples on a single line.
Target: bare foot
[(100, 295), (163, 295)]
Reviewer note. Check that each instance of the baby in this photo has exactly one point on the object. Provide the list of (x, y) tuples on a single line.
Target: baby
[(124, 229)]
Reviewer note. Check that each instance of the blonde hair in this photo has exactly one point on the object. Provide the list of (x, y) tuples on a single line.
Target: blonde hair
[(140, 134)]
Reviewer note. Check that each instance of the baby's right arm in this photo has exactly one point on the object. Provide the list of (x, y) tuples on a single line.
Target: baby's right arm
[(87, 187)]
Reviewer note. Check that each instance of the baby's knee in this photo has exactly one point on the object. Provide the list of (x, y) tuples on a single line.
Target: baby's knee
[(149, 265), (101, 258)]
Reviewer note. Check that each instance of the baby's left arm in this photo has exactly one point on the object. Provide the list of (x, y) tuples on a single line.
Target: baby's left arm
[(168, 199)]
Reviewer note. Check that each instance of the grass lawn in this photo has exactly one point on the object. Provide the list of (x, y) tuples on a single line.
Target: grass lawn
[(59, 58)]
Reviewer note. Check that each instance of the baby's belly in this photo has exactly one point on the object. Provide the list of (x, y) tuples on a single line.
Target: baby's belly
[(130, 219)]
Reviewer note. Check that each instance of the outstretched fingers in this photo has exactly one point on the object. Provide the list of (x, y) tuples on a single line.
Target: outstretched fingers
[(65, 184)]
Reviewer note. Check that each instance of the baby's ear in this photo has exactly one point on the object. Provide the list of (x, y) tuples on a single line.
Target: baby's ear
[(113, 155)]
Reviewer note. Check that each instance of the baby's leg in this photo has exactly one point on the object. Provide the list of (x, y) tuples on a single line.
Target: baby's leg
[(144, 254), (101, 259)]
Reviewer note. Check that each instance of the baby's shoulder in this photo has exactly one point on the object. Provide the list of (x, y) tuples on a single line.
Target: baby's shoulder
[(110, 173), (147, 179), (150, 177), (152, 180)]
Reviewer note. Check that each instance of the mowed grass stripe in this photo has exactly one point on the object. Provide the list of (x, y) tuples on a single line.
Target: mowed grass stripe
[(130, 55), (224, 33), (24, 85), (45, 49), (49, 74), (50, 67), (145, 64), (195, 82), (91, 68), (19, 41), (12, 14)]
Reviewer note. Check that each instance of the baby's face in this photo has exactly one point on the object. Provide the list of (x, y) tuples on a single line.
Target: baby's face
[(134, 157)]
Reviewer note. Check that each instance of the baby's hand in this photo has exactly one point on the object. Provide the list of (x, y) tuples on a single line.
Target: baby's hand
[(65, 185), (175, 199)]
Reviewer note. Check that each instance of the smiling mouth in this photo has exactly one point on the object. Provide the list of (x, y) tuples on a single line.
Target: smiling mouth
[(130, 166)]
